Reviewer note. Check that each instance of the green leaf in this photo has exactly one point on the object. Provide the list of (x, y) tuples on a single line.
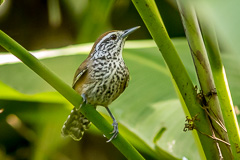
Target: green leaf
[(224, 16), (149, 105)]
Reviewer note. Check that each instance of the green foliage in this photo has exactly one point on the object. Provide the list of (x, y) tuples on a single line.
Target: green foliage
[(206, 81), (149, 112), (148, 106), (223, 15), (91, 18)]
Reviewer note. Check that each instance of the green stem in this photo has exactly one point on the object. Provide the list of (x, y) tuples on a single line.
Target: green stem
[(222, 87), (151, 17), (204, 72), (16, 49)]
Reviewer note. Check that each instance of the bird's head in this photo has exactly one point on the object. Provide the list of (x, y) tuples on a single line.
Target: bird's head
[(110, 44)]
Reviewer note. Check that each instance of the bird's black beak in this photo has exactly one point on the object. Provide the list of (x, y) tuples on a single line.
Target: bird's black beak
[(129, 31)]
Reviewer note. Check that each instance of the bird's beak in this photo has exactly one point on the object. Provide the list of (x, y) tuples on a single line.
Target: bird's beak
[(129, 31)]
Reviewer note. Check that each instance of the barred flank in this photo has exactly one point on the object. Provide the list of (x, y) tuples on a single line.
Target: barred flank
[(75, 125)]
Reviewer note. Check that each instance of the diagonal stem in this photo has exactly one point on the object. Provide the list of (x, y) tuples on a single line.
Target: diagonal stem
[(89, 111), (151, 17), (222, 87), (203, 69)]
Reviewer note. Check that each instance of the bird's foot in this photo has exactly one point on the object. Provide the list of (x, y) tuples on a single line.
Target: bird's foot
[(114, 132), (84, 101)]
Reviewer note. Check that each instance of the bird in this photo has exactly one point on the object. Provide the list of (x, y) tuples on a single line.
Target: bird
[(100, 79)]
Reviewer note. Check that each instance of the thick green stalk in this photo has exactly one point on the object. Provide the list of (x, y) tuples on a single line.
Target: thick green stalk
[(204, 72), (222, 87), (16, 49), (151, 17)]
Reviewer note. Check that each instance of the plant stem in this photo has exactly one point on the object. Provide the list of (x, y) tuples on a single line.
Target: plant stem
[(204, 72), (151, 17), (222, 87), (16, 49)]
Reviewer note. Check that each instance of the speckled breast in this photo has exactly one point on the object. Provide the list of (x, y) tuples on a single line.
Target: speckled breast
[(108, 81)]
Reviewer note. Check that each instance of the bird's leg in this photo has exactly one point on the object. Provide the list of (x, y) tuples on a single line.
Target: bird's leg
[(84, 101), (115, 126)]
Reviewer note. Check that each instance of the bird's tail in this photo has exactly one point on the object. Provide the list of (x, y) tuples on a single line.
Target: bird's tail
[(75, 125)]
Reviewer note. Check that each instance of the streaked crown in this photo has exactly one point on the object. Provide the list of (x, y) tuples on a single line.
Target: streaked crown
[(110, 44)]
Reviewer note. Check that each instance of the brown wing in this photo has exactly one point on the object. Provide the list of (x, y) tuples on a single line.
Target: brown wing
[(81, 75)]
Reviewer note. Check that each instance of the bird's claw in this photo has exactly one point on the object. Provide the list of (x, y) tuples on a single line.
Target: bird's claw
[(114, 132), (84, 101)]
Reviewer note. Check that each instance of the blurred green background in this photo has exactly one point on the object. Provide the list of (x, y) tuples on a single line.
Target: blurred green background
[(42, 24)]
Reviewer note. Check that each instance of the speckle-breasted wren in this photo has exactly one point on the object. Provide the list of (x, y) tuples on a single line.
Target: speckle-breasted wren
[(100, 79)]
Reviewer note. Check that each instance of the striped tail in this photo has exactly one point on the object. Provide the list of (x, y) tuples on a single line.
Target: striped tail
[(75, 125)]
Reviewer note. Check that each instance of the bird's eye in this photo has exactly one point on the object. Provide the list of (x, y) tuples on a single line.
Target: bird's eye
[(113, 37)]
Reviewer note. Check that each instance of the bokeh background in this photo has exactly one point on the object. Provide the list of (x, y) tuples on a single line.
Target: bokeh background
[(55, 23)]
